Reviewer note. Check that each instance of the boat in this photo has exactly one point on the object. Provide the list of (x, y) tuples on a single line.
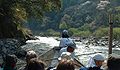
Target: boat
[(51, 58)]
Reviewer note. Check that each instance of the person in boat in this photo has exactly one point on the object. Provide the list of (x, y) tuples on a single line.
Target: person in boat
[(64, 55), (30, 55), (94, 63), (113, 63), (70, 48), (35, 64), (65, 39), (66, 64), (9, 62)]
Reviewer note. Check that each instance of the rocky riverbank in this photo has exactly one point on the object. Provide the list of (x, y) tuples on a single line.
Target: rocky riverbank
[(104, 41), (19, 48), (11, 46)]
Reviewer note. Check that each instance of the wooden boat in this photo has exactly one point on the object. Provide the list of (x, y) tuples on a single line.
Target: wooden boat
[(51, 58)]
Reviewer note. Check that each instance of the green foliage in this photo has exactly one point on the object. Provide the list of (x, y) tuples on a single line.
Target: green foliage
[(101, 32), (81, 15), (51, 32), (24, 33), (116, 33), (72, 31), (85, 27), (77, 32), (19, 14), (63, 26), (13, 13), (117, 16), (83, 34)]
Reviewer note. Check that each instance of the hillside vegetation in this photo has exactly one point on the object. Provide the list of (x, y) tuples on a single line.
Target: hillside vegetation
[(15, 13), (80, 17)]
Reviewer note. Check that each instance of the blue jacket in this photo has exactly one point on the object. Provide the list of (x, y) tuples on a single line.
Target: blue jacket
[(83, 68)]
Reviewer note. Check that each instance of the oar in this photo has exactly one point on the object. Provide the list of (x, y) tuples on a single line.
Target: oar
[(88, 53), (75, 55), (74, 59), (79, 62)]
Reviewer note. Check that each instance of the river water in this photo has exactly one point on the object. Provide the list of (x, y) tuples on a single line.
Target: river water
[(45, 43)]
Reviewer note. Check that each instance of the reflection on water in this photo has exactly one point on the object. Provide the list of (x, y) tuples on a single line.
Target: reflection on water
[(45, 43)]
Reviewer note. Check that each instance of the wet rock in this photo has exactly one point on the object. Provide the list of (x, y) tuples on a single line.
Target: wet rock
[(11, 46)]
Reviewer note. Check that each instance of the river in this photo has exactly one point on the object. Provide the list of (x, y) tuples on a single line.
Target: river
[(45, 43)]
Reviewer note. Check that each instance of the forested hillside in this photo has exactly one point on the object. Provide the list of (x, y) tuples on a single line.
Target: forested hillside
[(49, 17), (79, 15), (15, 13)]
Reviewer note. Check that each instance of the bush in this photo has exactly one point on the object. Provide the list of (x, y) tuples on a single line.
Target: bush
[(51, 32), (63, 26), (116, 33), (72, 31), (83, 33), (101, 32)]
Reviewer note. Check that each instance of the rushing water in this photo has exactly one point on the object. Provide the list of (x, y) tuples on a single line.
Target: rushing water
[(45, 43)]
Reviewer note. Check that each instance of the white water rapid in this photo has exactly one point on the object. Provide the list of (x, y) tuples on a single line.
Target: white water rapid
[(45, 43)]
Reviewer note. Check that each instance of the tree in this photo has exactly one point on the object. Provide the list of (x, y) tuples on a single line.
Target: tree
[(117, 16), (116, 33), (73, 31), (63, 26), (101, 32), (14, 12)]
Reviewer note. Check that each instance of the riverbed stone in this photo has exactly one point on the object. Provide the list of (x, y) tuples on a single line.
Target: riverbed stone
[(11, 46)]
